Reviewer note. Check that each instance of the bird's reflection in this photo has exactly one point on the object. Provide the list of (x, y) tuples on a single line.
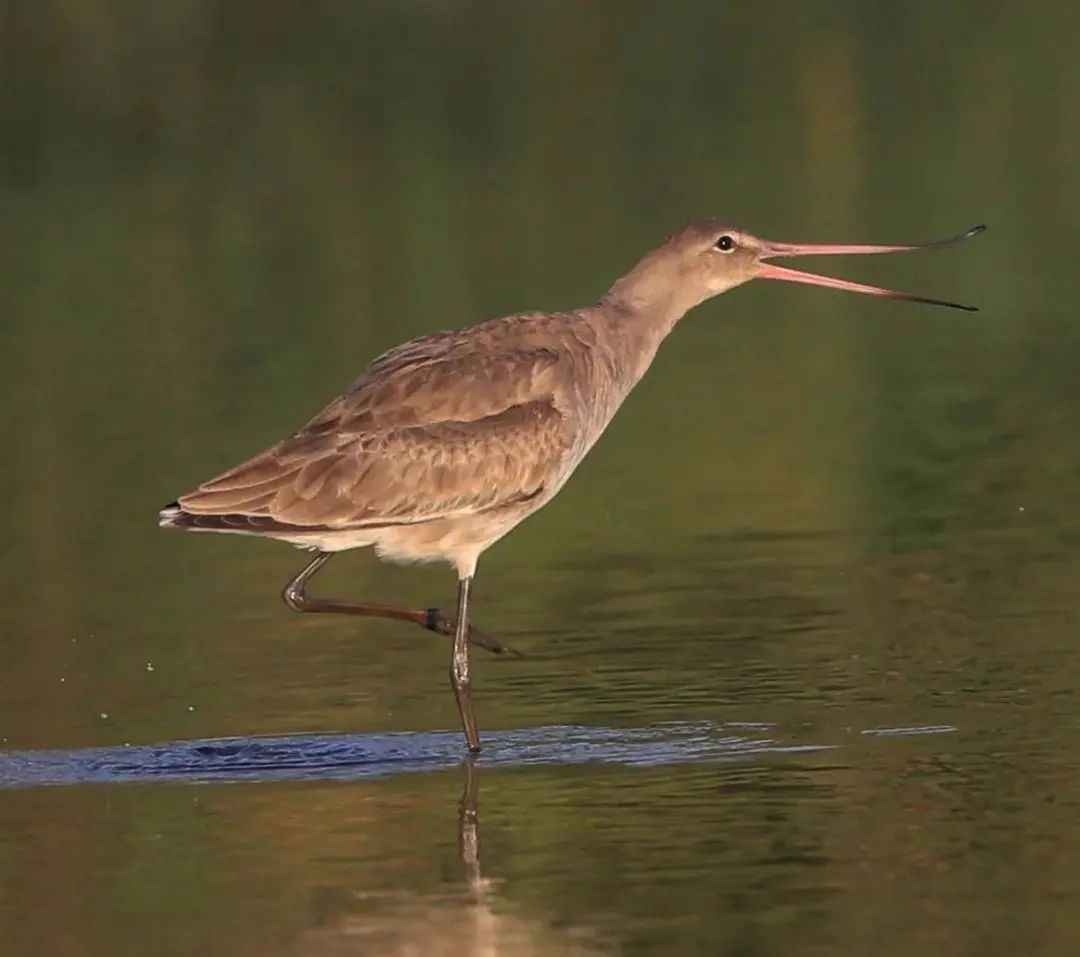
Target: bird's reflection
[(470, 920), (469, 829)]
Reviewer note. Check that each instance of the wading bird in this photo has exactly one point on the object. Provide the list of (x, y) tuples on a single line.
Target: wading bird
[(446, 442)]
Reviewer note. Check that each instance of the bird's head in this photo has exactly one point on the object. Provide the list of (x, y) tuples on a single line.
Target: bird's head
[(708, 257)]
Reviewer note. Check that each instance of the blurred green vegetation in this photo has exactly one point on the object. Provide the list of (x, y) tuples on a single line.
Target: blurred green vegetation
[(817, 510)]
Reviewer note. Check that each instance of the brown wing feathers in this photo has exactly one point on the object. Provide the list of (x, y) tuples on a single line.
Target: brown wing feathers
[(405, 444)]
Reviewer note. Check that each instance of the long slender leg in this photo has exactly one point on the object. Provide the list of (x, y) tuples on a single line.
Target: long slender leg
[(459, 666), (297, 599)]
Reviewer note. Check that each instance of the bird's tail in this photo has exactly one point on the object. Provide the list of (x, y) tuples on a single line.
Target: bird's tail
[(174, 515), (171, 516)]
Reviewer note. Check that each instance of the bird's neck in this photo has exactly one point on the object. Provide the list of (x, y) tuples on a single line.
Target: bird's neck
[(656, 290), (634, 326)]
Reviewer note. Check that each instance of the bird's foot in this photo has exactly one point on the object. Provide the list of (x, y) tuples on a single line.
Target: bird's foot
[(437, 622)]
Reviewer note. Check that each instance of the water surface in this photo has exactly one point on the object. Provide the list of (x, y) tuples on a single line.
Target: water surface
[(801, 636)]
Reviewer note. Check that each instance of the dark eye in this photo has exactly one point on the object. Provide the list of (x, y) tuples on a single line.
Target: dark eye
[(725, 244)]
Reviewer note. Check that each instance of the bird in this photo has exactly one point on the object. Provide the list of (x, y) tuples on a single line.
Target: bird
[(446, 442)]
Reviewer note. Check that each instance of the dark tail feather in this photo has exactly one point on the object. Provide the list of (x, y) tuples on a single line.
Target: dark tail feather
[(173, 515)]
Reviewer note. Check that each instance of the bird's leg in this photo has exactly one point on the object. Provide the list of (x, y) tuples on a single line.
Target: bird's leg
[(436, 621), (459, 667), (297, 599)]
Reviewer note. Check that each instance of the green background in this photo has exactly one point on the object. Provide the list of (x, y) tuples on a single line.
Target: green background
[(820, 514)]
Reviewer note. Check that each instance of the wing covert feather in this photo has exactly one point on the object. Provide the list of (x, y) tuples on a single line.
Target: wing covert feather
[(425, 433)]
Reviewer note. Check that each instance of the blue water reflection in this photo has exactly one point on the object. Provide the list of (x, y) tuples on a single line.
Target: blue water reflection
[(359, 756)]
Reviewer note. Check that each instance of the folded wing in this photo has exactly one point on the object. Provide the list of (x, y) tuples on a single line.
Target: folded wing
[(430, 431)]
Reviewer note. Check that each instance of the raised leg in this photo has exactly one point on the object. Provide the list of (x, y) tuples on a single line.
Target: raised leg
[(459, 667), (296, 597)]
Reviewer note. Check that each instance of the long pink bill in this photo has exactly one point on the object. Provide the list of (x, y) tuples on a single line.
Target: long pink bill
[(772, 250)]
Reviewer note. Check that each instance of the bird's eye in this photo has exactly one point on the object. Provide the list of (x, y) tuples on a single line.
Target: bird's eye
[(725, 244)]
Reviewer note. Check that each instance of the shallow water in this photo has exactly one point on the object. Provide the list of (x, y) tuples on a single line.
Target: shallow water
[(801, 636)]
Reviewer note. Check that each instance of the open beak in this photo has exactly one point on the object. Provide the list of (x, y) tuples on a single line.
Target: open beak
[(771, 250)]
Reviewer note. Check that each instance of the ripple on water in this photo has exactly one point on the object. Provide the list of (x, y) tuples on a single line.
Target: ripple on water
[(347, 757)]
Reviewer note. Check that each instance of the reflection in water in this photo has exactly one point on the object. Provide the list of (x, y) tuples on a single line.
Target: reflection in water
[(352, 757), (470, 921)]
